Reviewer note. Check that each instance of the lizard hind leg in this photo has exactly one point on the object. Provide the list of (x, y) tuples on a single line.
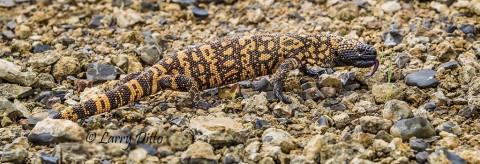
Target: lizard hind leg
[(185, 83), (280, 75)]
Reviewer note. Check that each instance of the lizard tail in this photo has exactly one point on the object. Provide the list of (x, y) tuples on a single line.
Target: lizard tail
[(144, 84)]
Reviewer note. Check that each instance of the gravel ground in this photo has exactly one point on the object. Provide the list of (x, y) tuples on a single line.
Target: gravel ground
[(422, 106)]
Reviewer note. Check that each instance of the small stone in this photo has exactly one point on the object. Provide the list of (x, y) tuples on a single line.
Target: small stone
[(278, 137), (179, 141), (50, 131), (312, 93), (372, 124), (260, 123), (151, 54), (149, 5), (430, 106), (15, 152), (453, 158), (199, 152), (314, 147), (418, 127), (396, 110), (330, 81), (421, 157), (341, 120), (418, 144), (122, 3), (450, 128), (199, 12), (218, 131), (468, 29), (262, 85), (15, 91), (256, 104), (445, 51), (386, 91), (11, 25), (307, 85), (48, 158), (328, 92), (42, 60), (8, 34), (422, 79), (471, 156), (101, 72), (448, 65), (392, 38), (137, 155), (66, 66), (67, 41), (286, 110), (450, 28), (284, 121), (401, 59), (441, 8), (391, 6), (23, 31), (165, 151), (39, 48), (255, 15), (439, 98), (126, 18), (252, 151), (95, 22)]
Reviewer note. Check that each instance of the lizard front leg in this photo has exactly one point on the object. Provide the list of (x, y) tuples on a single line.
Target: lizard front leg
[(185, 83), (280, 75)]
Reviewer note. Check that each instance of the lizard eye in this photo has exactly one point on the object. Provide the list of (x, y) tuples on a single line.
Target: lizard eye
[(360, 54)]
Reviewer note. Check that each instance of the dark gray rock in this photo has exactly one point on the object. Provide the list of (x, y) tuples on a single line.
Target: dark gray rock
[(39, 48), (262, 85), (307, 85), (312, 93), (179, 121), (67, 41), (48, 158), (401, 59), (418, 127), (392, 38), (199, 12), (450, 28), (149, 5), (455, 159), (422, 79), (260, 123), (271, 97), (448, 65), (95, 22), (101, 72), (421, 157), (430, 106), (185, 3), (338, 107), (468, 29), (418, 144)]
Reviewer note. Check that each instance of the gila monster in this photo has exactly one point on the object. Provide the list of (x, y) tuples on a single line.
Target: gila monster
[(229, 61)]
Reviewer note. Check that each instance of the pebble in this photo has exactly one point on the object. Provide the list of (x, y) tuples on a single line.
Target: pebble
[(199, 152), (260, 123), (13, 74), (386, 91), (468, 29), (396, 110), (95, 21), (219, 131), (413, 127), (101, 72), (308, 85), (422, 79), (430, 106), (448, 65), (150, 54), (179, 141), (391, 6), (341, 120), (421, 157), (372, 124), (392, 38), (450, 128), (126, 18), (418, 144), (15, 91), (330, 81), (450, 28), (199, 12), (453, 158), (40, 48), (256, 104), (48, 158), (328, 92), (15, 152), (8, 34), (278, 137), (312, 93), (401, 60), (23, 31), (41, 60), (50, 131), (137, 155), (66, 66), (252, 150)]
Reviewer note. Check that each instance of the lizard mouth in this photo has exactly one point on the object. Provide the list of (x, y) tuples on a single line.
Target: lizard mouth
[(375, 67)]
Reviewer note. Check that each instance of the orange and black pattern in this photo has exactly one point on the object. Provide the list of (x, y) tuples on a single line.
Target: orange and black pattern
[(221, 63)]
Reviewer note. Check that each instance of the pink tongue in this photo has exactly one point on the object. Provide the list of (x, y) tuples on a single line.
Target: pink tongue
[(375, 67)]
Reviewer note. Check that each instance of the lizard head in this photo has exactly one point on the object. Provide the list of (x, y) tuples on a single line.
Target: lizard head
[(353, 53)]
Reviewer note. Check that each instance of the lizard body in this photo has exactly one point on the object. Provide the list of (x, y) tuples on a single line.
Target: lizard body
[(229, 61)]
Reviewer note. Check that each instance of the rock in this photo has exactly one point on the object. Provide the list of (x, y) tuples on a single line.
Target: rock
[(448, 65), (101, 72), (286, 110), (468, 29), (413, 127), (252, 151), (256, 104), (199, 152), (122, 3), (338, 107), (307, 85), (179, 141), (199, 12), (328, 91), (439, 98), (12, 111), (392, 38), (453, 158), (255, 15), (401, 59), (66, 66), (391, 6), (219, 131), (471, 156), (12, 73), (330, 81), (260, 123), (262, 85), (418, 144), (421, 157), (126, 18), (278, 137), (40, 48), (137, 155), (430, 106), (341, 120), (372, 124), (445, 51), (151, 54), (396, 110), (386, 91), (21, 46), (450, 28), (7, 3), (50, 131), (422, 79), (312, 93), (48, 158), (315, 145), (44, 59), (15, 91), (23, 31), (441, 8), (15, 152), (450, 128), (95, 21), (8, 34)]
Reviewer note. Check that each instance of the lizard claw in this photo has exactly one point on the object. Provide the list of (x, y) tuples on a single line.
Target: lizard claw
[(279, 93)]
